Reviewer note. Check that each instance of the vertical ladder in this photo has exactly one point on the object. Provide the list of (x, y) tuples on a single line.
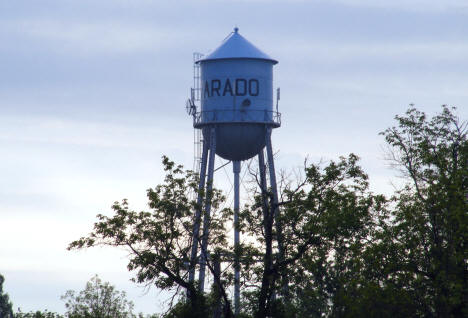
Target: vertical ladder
[(197, 149), (195, 96), (196, 76)]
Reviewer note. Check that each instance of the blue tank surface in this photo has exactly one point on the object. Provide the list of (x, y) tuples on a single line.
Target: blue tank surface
[(237, 97)]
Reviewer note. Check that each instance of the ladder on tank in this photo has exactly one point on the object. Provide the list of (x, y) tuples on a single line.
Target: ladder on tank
[(195, 97)]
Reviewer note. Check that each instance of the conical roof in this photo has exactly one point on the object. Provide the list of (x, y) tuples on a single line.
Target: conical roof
[(235, 46)]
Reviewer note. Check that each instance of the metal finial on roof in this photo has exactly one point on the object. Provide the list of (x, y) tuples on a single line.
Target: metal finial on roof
[(236, 29)]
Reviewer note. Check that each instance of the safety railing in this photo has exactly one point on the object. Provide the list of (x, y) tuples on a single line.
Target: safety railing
[(237, 116)]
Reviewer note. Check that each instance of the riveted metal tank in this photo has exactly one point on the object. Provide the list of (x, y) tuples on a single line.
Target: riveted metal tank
[(237, 98)]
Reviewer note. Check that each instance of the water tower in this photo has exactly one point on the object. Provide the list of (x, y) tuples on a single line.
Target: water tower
[(235, 118)]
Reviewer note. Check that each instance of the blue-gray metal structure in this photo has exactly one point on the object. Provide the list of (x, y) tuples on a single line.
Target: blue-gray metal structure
[(237, 96), (236, 168), (236, 117)]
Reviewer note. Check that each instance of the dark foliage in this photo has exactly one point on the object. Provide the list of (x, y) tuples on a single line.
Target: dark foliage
[(6, 310), (345, 252)]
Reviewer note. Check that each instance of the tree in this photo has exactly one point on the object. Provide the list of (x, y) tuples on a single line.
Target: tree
[(414, 263), (159, 241), (38, 314), (326, 216), (330, 205), (351, 254), (6, 310), (430, 220), (346, 252), (98, 300)]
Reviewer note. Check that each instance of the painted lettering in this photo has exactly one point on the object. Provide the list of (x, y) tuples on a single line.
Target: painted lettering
[(215, 86), (241, 89), (227, 88), (206, 90), (236, 87), (253, 87)]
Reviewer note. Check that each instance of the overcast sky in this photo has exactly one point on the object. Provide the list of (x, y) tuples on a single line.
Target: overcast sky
[(92, 93)]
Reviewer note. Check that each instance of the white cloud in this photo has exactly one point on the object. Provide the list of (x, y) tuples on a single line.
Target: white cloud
[(413, 5), (405, 5), (308, 49), (42, 129), (88, 38)]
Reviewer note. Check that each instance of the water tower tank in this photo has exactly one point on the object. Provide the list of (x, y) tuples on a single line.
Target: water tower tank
[(237, 98)]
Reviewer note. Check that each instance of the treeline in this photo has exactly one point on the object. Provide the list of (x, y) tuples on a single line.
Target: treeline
[(329, 247), (97, 300)]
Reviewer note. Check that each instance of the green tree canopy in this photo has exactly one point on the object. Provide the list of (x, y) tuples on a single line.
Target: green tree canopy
[(414, 264), (98, 300), (345, 252), (159, 240), (38, 314), (6, 310), (429, 224)]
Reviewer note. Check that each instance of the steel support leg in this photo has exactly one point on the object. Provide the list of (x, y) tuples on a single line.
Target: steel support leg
[(263, 183), (268, 261), (236, 169), (279, 228), (196, 224), (206, 219), (218, 298)]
